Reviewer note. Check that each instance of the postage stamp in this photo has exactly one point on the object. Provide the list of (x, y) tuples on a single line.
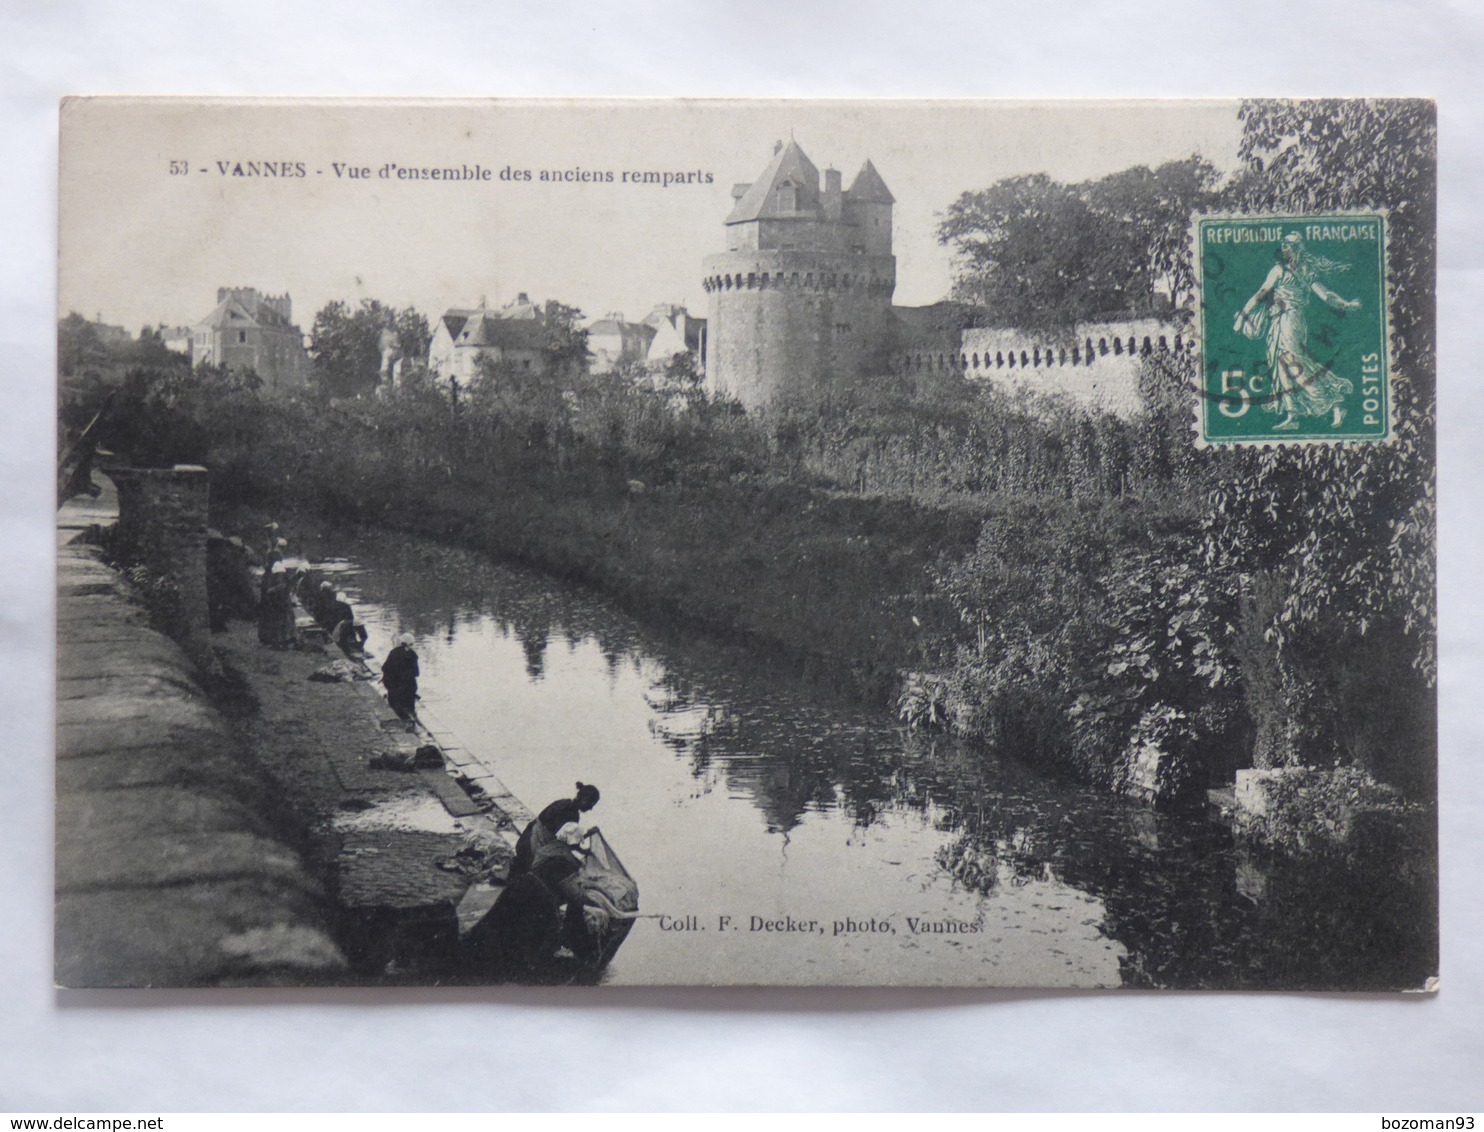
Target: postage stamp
[(1292, 328)]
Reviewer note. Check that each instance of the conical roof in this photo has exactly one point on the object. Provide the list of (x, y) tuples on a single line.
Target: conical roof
[(789, 164), (868, 186)]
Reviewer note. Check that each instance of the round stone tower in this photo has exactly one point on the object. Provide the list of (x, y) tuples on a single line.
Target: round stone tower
[(801, 298)]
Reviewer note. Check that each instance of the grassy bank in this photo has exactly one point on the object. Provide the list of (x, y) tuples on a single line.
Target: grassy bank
[(840, 587)]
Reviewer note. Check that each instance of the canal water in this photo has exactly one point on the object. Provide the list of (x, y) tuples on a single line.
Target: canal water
[(782, 835)]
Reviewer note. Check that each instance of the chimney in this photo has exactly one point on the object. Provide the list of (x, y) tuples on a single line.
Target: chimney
[(777, 148), (832, 194), (523, 299)]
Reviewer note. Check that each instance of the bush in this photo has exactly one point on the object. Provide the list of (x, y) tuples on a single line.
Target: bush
[(1311, 809)]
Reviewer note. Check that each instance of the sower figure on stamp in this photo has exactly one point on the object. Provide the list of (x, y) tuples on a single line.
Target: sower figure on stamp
[(1306, 387), (399, 673)]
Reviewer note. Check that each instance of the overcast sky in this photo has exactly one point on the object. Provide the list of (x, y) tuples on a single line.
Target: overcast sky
[(140, 245)]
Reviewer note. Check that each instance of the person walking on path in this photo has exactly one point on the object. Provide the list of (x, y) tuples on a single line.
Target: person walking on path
[(399, 673)]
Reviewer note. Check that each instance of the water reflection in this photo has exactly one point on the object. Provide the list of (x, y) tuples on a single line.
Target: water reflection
[(730, 790)]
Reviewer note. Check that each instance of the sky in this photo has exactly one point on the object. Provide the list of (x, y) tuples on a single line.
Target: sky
[(141, 244)]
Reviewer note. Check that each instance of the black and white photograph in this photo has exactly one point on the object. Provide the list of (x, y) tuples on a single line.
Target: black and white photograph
[(747, 543)]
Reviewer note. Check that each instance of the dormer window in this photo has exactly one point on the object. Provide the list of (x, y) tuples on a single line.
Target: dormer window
[(788, 197)]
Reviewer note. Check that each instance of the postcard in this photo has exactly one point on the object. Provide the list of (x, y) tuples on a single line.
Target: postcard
[(747, 543)]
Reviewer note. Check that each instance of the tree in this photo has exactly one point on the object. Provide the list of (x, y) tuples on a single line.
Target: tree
[(1144, 215), (1350, 525), (683, 371), (1042, 255), (1344, 534), (1022, 247), (149, 350), (563, 339), (79, 348), (347, 347), (413, 336)]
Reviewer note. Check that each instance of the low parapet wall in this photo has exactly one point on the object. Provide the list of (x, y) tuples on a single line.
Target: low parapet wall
[(170, 870), (162, 524)]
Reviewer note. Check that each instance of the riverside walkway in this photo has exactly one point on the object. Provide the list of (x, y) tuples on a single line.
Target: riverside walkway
[(306, 837), (407, 845), (174, 864)]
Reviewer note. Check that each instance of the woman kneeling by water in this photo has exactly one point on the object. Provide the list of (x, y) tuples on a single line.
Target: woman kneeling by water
[(569, 900), (525, 929), (551, 819)]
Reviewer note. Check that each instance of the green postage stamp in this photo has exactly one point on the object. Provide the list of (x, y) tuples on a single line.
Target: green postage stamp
[(1292, 328)]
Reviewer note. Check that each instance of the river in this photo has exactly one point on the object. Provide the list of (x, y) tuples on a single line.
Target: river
[(786, 835)]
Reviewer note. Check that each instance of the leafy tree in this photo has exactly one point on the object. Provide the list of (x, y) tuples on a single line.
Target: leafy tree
[(414, 336), (1046, 592), (1351, 526), (149, 350), (1145, 215), (563, 339), (78, 346), (346, 344), (1344, 534), (1022, 247), (683, 371), (1039, 254), (179, 415)]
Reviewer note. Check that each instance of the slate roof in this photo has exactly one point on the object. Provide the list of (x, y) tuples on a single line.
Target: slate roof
[(614, 326), (237, 314), (487, 329), (454, 318), (868, 186), (670, 314), (761, 198)]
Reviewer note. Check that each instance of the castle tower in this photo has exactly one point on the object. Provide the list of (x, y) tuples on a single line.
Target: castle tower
[(802, 295)]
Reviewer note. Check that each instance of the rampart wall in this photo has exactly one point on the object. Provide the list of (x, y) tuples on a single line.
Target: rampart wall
[(1096, 364), (785, 320)]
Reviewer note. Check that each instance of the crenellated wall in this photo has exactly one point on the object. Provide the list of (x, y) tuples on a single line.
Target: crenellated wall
[(793, 319), (1097, 364), (801, 298)]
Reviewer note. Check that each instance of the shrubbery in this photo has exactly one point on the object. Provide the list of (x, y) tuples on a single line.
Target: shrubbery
[(1312, 809)]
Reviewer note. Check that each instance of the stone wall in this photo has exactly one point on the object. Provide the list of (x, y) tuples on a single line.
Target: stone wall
[(171, 868), (781, 321), (1097, 365), (162, 525)]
